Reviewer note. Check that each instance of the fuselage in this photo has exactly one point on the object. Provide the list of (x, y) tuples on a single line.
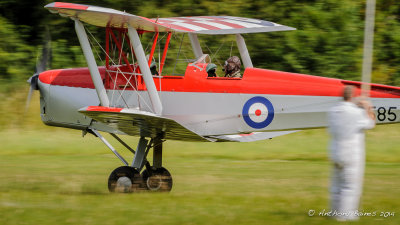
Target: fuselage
[(262, 100)]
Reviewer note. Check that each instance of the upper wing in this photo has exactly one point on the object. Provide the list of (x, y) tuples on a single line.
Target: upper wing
[(105, 17), (221, 25), (140, 123)]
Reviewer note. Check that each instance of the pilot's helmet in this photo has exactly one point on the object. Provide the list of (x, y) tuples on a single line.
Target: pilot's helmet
[(232, 64), (153, 65), (153, 68), (210, 67)]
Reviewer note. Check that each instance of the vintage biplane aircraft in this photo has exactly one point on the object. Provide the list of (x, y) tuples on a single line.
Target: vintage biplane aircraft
[(126, 97)]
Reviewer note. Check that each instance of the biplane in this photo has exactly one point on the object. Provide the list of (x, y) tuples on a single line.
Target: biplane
[(131, 94)]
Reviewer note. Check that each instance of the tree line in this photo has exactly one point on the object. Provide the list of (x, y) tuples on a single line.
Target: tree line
[(328, 40)]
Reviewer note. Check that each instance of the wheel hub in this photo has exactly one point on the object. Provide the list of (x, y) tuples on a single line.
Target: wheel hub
[(124, 185), (154, 182)]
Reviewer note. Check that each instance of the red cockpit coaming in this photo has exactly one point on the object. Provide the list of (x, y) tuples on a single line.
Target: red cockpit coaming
[(75, 77), (254, 81)]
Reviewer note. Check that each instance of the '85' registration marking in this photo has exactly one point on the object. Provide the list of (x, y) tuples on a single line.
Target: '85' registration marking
[(385, 114)]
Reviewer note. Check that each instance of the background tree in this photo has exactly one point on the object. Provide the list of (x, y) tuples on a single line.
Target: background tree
[(328, 40)]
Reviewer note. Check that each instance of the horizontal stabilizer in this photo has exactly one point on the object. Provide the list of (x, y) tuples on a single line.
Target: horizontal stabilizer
[(140, 123), (105, 17), (255, 136)]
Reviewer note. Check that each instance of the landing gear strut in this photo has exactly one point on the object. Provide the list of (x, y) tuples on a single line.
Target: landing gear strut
[(127, 179)]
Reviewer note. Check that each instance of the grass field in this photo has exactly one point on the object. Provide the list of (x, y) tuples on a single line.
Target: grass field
[(54, 176)]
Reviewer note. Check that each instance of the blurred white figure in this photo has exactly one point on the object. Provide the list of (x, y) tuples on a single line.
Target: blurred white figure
[(347, 122)]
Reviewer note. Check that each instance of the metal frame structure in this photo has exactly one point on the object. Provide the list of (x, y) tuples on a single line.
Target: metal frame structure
[(140, 155), (94, 71), (194, 41), (244, 53), (134, 44), (145, 69)]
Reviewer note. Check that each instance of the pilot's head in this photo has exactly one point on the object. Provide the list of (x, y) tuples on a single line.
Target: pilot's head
[(211, 70), (232, 65)]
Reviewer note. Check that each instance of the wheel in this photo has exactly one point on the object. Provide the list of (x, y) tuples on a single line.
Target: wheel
[(125, 179), (157, 179)]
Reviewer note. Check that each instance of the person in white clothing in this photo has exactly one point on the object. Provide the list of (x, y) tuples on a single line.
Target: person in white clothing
[(347, 122)]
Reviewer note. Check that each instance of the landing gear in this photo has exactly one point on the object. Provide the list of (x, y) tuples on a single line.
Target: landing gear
[(127, 179), (157, 179)]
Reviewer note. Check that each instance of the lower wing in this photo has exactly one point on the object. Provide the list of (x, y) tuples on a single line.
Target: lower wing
[(140, 123)]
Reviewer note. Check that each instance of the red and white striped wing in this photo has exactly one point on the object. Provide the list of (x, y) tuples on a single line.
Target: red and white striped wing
[(105, 17), (220, 25)]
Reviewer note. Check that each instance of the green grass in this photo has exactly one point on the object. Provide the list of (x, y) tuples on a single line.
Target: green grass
[(54, 176)]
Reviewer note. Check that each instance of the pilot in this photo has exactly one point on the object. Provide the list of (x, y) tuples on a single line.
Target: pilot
[(232, 67), (211, 70), (153, 69)]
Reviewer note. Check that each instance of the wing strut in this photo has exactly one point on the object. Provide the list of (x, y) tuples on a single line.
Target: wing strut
[(165, 52), (144, 68), (198, 52), (244, 53), (94, 71)]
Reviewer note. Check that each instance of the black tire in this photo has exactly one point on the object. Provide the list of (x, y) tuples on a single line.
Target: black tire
[(157, 180), (117, 181)]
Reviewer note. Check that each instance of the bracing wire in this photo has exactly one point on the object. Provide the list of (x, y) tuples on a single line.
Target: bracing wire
[(119, 70), (98, 55), (215, 55), (230, 54), (179, 51)]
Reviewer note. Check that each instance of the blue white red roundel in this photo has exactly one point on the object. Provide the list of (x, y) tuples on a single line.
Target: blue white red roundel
[(258, 112)]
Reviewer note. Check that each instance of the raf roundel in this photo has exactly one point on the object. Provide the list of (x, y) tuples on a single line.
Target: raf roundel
[(258, 112)]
